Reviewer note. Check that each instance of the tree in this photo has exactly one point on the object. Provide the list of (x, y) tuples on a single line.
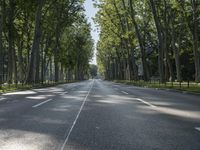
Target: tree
[(33, 73), (36, 41), (1, 42), (143, 32)]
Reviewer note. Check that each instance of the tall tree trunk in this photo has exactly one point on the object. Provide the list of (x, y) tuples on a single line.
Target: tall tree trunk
[(12, 67), (51, 70), (160, 41), (56, 57), (141, 42), (195, 43), (166, 43), (176, 55), (135, 67), (169, 66), (1, 42), (56, 52), (36, 43), (43, 62), (21, 72), (61, 73), (127, 43), (37, 71), (28, 42)]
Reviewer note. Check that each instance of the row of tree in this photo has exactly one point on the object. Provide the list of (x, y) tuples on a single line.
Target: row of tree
[(149, 38), (43, 40)]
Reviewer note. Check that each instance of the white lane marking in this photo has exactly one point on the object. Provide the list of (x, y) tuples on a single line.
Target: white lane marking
[(37, 105), (124, 92), (145, 102), (64, 93), (1, 99), (77, 116), (197, 128)]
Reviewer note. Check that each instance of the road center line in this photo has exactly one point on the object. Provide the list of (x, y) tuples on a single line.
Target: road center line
[(37, 105), (124, 92), (145, 102), (197, 128), (77, 116)]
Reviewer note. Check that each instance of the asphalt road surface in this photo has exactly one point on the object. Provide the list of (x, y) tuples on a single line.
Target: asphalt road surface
[(99, 115)]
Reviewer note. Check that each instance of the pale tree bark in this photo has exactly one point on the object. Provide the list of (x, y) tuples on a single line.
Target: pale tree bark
[(141, 42), (166, 43), (36, 45), (169, 67), (176, 54)]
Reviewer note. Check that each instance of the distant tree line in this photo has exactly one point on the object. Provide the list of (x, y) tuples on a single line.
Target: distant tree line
[(43, 40), (149, 38), (93, 70)]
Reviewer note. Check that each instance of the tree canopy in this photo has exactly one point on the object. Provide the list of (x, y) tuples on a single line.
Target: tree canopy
[(44, 40), (144, 39)]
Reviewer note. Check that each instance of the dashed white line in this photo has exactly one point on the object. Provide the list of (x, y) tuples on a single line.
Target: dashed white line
[(124, 92), (64, 93), (37, 105), (145, 102), (67, 138), (1, 99), (197, 128)]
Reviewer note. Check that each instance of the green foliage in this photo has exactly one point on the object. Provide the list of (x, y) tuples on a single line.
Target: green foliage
[(65, 42), (174, 29)]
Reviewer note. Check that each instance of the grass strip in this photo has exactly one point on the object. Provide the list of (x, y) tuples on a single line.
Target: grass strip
[(21, 87), (180, 86)]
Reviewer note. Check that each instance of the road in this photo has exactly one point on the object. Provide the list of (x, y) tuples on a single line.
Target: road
[(99, 115)]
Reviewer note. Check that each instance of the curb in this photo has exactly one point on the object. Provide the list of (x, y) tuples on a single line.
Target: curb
[(179, 91), (165, 89)]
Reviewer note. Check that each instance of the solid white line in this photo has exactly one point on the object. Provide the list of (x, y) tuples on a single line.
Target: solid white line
[(67, 138), (124, 92), (197, 128), (37, 105), (147, 103)]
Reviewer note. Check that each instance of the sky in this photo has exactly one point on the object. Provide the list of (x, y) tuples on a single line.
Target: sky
[(90, 13)]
